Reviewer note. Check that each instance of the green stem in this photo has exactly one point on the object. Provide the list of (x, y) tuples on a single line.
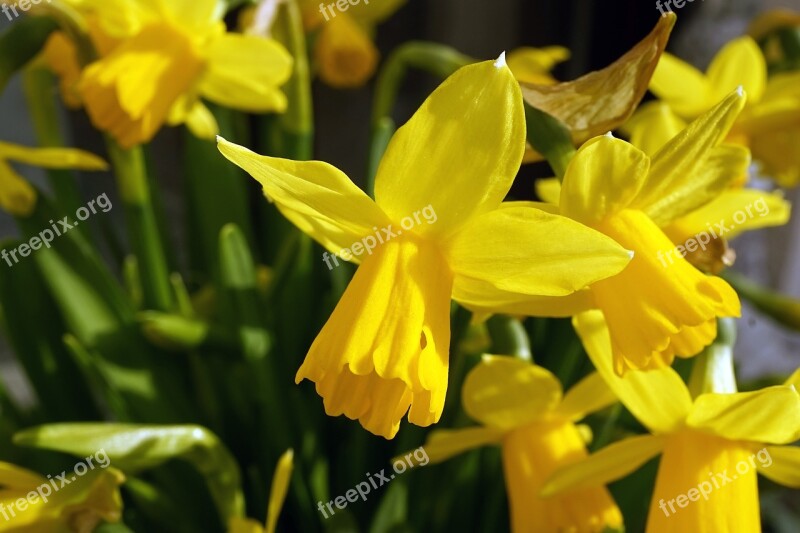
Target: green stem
[(509, 337), (549, 137), (713, 367), (143, 230), (780, 308), (297, 123), (38, 86)]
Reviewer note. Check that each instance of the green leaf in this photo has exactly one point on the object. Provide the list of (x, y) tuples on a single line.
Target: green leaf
[(392, 511), (134, 447)]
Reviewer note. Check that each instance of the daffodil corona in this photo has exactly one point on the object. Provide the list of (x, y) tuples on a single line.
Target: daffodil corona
[(384, 350)]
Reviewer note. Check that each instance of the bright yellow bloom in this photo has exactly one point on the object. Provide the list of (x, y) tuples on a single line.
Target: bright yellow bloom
[(168, 54), (522, 408), (344, 54), (384, 350), (17, 197), (280, 486), (81, 505), (713, 443), (650, 129), (769, 125), (660, 306)]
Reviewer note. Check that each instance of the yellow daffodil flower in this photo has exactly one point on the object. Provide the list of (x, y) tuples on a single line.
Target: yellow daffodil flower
[(17, 197), (29, 501), (277, 495), (167, 54), (345, 56), (650, 129), (770, 124), (384, 350), (708, 444), (522, 407), (660, 306)]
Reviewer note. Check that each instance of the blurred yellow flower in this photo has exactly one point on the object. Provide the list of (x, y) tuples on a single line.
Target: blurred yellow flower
[(704, 442), (660, 306), (769, 125), (277, 495), (81, 505), (344, 54), (17, 197), (533, 65), (165, 56), (522, 408), (384, 349)]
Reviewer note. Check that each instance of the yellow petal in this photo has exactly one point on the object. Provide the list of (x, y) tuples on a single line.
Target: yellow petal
[(602, 178), (781, 464), (684, 88), (442, 444), (652, 126), (52, 157), (608, 464), (246, 72), (506, 392), (732, 213), (533, 65), (15, 477), (344, 53), (530, 456), (771, 415), (603, 100), (130, 92), (705, 484), (195, 16), (317, 197), (677, 167), (385, 347), (528, 251), (590, 394), (481, 297), (549, 190), (794, 379), (17, 197), (660, 306), (459, 152), (280, 485), (777, 154), (62, 59), (201, 121), (739, 63), (643, 392)]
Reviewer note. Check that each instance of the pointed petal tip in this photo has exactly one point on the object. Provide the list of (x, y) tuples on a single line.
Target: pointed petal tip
[(501, 61), (631, 253)]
